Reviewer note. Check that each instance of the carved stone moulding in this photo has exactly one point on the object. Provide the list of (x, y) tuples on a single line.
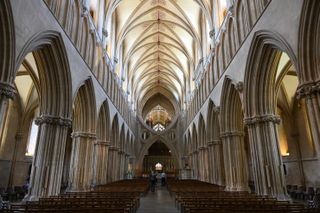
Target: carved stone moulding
[(214, 142), (53, 120), (231, 134), (102, 143), (83, 135), (7, 90), (308, 89), (262, 119)]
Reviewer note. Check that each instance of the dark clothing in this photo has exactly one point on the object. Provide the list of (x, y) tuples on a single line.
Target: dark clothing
[(153, 181)]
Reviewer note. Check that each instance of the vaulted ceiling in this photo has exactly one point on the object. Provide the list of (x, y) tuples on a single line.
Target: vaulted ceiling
[(158, 44)]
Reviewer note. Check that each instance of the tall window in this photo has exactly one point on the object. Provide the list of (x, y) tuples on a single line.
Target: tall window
[(33, 134)]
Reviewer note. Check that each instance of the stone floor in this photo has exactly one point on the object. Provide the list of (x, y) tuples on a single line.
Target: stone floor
[(159, 201)]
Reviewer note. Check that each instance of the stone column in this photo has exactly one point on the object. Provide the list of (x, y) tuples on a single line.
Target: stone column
[(235, 161), (81, 168), (121, 164), (101, 162), (311, 93), (218, 162), (111, 169), (190, 164), (265, 154), (113, 166), (116, 163), (200, 163), (206, 164), (211, 162), (7, 91), (47, 166), (203, 161), (19, 138), (195, 165), (126, 165)]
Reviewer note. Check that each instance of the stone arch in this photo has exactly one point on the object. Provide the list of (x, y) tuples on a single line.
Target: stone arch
[(203, 150), (103, 128), (54, 71), (309, 66), (101, 145), (214, 144), (122, 139), (194, 157), (114, 149), (232, 135), (260, 111), (55, 110), (260, 74), (84, 137), (149, 143), (7, 53), (84, 115)]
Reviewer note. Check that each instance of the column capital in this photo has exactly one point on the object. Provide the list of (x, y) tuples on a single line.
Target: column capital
[(114, 148), (7, 90), (202, 147), (214, 142), (262, 119), (53, 120), (308, 89), (231, 134), (102, 143), (216, 109), (83, 135), (239, 86)]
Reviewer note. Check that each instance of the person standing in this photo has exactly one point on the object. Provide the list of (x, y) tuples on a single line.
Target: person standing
[(152, 180), (163, 179)]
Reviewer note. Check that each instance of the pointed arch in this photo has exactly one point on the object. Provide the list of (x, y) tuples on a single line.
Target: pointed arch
[(7, 43), (84, 116), (103, 125), (260, 74)]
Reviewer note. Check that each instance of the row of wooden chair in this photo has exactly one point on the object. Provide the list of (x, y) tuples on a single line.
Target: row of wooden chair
[(116, 197), (193, 196)]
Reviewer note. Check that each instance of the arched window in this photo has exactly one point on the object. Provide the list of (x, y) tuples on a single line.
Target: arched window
[(32, 141)]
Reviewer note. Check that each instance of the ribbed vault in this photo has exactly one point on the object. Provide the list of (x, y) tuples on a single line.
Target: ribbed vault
[(158, 44)]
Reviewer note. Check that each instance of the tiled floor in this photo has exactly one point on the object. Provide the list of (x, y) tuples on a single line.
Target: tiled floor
[(159, 201)]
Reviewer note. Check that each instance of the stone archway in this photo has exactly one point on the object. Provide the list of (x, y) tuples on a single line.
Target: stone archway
[(309, 67), (260, 111), (215, 146), (7, 58), (232, 136), (101, 145), (84, 137), (55, 111), (148, 144)]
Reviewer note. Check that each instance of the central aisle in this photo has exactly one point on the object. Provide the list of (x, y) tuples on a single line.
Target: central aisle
[(159, 201)]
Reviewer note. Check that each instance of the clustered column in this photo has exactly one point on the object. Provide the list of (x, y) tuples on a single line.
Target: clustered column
[(216, 162), (49, 156), (265, 155), (195, 164), (235, 161), (81, 168), (7, 91), (203, 159), (101, 162), (121, 164), (113, 168), (311, 93)]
